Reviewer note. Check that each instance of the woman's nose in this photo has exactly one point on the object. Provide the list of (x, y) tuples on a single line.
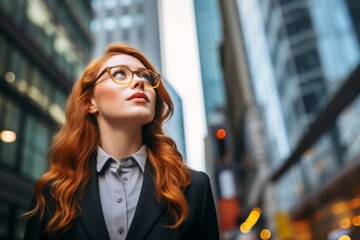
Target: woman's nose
[(138, 82)]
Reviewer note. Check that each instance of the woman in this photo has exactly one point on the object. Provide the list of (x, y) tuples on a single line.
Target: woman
[(113, 173)]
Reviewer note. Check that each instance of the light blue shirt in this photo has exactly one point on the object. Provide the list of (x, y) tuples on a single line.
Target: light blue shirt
[(119, 191)]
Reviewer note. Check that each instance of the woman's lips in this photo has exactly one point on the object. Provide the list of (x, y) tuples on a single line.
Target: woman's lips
[(139, 96)]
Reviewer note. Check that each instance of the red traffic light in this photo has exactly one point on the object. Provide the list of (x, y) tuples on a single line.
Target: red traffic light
[(220, 133)]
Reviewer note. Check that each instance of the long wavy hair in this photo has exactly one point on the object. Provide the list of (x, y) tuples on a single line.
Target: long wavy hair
[(76, 144)]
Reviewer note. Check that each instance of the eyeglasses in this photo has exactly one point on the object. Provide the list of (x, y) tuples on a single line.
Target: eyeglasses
[(122, 75)]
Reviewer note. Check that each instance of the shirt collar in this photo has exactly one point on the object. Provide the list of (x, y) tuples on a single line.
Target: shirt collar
[(102, 158)]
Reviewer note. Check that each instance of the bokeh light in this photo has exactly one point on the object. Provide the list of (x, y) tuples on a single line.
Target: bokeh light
[(221, 133), (8, 136), (265, 234)]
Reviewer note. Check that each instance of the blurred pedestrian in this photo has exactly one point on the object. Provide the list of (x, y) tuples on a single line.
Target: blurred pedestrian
[(113, 173)]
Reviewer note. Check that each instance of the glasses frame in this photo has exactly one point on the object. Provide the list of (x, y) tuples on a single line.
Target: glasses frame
[(108, 69)]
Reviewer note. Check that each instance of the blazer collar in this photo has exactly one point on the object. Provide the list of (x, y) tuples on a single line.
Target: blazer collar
[(148, 210), (92, 216)]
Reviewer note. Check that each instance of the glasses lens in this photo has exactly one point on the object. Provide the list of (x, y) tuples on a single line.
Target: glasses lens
[(120, 74), (149, 77)]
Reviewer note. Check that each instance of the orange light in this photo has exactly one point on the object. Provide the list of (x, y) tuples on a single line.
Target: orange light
[(345, 223), (340, 207), (355, 203), (265, 234), (221, 133), (356, 220)]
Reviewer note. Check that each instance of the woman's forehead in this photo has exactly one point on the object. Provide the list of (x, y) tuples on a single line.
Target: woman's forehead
[(123, 59)]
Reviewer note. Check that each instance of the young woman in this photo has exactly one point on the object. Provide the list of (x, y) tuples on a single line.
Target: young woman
[(113, 173)]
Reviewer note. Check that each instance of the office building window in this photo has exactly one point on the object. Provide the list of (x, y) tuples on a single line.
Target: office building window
[(9, 128), (126, 35), (110, 4), (126, 21), (301, 23), (109, 24), (307, 60), (139, 19), (40, 90), (34, 150), (311, 100), (95, 25), (284, 2), (125, 3), (18, 68)]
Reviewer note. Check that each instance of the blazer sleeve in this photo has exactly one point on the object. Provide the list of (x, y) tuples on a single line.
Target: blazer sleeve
[(34, 227), (209, 229)]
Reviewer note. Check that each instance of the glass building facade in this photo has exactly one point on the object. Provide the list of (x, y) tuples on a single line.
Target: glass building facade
[(311, 51), (44, 45), (209, 34), (175, 126)]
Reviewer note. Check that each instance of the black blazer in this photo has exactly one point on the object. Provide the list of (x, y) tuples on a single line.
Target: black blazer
[(149, 219)]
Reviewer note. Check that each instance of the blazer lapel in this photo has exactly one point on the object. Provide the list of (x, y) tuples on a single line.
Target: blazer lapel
[(148, 210), (92, 216)]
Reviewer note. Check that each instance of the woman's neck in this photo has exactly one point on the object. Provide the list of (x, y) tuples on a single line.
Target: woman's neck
[(120, 142)]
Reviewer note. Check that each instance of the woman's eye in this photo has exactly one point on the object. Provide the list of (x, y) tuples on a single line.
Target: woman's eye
[(119, 74), (146, 76)]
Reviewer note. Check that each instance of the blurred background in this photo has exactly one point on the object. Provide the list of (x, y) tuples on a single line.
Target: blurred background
[(266, 94)]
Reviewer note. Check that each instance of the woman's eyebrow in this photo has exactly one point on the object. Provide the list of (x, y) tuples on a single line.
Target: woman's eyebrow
[(134, 68), (138, 69)]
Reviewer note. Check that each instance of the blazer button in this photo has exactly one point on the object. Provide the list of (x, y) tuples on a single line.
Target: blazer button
[(121, 230)]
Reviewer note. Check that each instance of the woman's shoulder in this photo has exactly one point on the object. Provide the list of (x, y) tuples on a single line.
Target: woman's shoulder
[(199, 178), (199, 190)]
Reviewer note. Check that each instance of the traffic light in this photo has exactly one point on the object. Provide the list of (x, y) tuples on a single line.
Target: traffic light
[(220, 141)]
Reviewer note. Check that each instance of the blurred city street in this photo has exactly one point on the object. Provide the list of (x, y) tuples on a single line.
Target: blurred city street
[(266, 96)]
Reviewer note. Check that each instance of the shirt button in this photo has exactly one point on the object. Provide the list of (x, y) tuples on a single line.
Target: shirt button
[(119, 200), (121, 230), (125, 178)]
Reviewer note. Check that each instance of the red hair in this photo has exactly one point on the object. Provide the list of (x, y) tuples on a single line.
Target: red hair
[(77, 141)]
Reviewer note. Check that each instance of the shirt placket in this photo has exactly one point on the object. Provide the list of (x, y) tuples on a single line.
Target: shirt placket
[(126, 179), (119, 207)]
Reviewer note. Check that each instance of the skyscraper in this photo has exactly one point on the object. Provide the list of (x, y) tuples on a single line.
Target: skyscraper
[(209, 32), (303, 59), (220, 161), (44, 45)]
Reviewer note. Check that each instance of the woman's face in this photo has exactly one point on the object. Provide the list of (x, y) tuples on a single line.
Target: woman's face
[(119, 104)]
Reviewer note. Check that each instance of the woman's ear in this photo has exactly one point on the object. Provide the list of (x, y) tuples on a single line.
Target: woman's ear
[(92, 106)]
